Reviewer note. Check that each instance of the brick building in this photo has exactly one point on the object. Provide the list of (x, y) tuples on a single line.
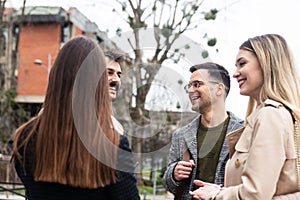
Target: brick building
[(42, 32)]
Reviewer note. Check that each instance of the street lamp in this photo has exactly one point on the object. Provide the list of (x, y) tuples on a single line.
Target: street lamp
[(40, 63)]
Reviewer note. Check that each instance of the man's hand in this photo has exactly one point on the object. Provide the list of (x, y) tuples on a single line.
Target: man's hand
[(183, 169)]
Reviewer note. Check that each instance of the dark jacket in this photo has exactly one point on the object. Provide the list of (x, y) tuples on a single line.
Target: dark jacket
[(124, 188)]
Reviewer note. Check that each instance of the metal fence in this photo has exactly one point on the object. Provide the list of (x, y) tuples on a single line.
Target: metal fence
[(9, 180)]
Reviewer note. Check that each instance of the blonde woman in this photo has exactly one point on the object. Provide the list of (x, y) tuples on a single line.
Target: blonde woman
[(263, 164)]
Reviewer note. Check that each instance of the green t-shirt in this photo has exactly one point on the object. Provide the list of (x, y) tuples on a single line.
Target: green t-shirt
[(209, 144)]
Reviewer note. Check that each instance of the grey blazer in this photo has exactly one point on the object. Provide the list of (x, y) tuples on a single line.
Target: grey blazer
[(187, 136)]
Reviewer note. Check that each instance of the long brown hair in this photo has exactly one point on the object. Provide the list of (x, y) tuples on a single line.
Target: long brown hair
[(75, 140)]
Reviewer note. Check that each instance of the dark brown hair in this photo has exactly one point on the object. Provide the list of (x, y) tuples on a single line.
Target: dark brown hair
[(215, 71), (114, 55), (74, 127)]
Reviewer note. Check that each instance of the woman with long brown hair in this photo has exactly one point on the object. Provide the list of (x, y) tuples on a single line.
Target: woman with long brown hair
[(71, 150)]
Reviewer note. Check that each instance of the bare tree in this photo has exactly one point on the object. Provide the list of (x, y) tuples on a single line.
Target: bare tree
[(11, 114), (168, 20)]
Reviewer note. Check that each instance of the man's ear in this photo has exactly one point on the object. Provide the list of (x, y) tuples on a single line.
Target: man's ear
[(220, 89)]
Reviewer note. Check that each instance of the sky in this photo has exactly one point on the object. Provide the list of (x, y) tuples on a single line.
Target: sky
[(237, 21)]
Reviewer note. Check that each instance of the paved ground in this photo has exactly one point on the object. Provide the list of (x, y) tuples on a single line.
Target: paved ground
[(10, 196), (167, 196)]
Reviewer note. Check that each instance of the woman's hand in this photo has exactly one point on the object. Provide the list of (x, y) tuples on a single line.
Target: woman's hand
[(206, 191)]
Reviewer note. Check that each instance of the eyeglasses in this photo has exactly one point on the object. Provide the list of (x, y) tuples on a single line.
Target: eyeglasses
[(197, 84)]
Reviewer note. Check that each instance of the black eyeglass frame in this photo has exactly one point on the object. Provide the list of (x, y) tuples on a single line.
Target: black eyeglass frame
[(197, 84)]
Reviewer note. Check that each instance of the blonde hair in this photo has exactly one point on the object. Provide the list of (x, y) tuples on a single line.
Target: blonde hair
[(281, 80)]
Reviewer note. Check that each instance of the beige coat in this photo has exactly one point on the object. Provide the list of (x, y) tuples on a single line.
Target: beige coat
[(264, 162)]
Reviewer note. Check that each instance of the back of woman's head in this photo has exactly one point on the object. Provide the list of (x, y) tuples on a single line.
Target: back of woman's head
[(77, 80), (281, 80), (64, 71), (76, 143)]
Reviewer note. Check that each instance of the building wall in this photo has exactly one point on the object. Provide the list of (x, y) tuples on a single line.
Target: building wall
[(44, 36), (37, 41), (78, 31)]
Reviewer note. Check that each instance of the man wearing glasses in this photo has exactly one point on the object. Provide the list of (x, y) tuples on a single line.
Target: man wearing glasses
[(199, 150)]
